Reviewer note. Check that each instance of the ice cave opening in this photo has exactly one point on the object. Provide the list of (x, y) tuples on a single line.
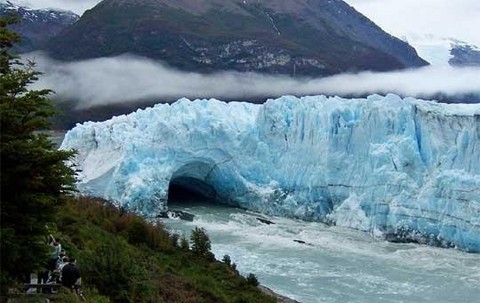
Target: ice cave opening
[(190, 190), (193, 183)]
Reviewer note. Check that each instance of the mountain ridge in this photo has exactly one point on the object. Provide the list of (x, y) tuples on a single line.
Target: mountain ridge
[(37, 25), (304, 36)]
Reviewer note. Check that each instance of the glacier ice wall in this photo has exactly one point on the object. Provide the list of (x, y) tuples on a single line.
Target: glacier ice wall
[(402, 168)]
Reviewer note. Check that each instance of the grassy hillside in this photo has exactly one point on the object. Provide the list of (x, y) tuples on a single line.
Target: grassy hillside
[(123, 258)]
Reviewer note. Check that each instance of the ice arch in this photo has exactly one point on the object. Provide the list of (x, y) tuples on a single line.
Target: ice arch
[(401, 167)]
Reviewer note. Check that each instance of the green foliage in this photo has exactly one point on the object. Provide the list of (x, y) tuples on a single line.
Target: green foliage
[(150, 269), (226, 259), (103, 214), (201, 244), (137, 232), (114, 269), (252, 279), (184, 244), (34, 177)]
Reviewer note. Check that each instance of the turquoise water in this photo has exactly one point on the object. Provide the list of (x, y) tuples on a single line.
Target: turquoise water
[(335, 264)]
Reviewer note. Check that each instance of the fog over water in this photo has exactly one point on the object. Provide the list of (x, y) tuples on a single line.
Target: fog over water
[(128, 78)]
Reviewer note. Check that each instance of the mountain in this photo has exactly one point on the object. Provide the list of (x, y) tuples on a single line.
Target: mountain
[(37, 25), (404, 168), (445, 51), (465, 55), (307, 37)]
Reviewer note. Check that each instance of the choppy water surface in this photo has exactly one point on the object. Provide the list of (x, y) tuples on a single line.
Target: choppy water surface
[(336, 265)]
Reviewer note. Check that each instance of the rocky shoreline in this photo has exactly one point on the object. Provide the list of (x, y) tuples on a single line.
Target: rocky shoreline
[(280, 298)]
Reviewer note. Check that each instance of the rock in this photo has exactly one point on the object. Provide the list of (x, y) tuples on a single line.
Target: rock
[(174, 214), (302, 242), (268, 222)]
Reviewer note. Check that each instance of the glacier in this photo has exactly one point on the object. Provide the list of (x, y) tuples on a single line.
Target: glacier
[(400, 169)]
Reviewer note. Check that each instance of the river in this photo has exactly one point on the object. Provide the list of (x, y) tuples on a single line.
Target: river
[(334, 264)]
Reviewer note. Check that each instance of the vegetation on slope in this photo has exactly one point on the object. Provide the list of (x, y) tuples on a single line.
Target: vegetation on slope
[(34, 178), (129, 260)]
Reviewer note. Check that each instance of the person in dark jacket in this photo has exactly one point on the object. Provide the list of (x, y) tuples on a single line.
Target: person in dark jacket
[(70, 274)]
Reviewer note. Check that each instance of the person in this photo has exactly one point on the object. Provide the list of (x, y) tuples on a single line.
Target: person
[(62, 263), (55, 254), (70, 274)]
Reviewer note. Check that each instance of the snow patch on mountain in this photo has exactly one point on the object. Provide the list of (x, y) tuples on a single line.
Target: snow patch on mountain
[(26, 12), (27, 6), (403, 168), (76, 6), (441, 51), (435, 51)]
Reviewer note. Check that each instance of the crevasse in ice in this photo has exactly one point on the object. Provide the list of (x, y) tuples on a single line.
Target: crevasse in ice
[(404, 169)]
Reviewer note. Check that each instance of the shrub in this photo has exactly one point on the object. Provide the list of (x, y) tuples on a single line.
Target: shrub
[(115, 271), (252, 279), (226, 259), (137, 232)]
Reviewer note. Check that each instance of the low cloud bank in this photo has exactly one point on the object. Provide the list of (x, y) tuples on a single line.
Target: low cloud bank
[(125, 78)]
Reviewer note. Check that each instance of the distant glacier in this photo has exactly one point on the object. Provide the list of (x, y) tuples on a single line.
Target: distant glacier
[(402, 169)]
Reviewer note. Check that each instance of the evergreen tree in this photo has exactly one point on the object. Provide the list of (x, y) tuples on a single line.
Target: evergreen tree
[(184, 244), (201, 244), (33, 177)]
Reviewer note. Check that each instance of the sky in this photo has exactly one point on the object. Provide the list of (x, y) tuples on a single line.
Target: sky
[(459, 19)]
